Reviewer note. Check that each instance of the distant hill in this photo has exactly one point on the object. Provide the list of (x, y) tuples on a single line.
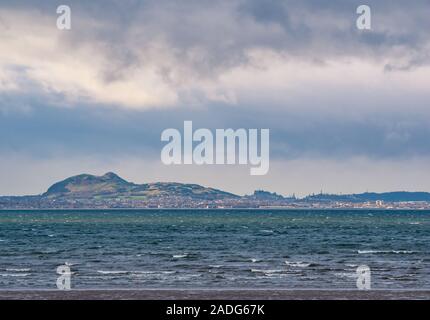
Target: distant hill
[(87, 191), (265, 195), (110, 185), (86, 185), (398, 196)]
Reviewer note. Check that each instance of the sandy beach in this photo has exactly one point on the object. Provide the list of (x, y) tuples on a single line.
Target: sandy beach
[(216, 295)]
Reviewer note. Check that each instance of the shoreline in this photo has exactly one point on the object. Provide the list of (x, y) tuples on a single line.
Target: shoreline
[(217, 209), (205, 294)]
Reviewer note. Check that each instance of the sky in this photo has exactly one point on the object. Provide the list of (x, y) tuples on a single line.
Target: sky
[(348, 110)]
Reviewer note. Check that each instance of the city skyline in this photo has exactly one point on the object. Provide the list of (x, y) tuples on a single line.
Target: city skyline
[(293, 195), (110, 191)]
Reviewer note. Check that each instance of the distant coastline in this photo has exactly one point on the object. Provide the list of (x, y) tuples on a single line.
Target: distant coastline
[(286, 209), (89, 192)]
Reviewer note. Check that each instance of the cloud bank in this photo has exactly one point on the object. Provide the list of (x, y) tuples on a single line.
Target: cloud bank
[(156, 54), (127, 70)]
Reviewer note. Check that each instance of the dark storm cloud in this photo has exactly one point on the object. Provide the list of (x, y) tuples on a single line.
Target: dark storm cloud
[(393, 24), (222, 32), (88, 131)]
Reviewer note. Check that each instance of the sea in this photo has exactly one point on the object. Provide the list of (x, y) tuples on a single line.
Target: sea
[(215, 249)]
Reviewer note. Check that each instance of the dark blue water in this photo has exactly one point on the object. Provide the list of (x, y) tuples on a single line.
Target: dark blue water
[(215, 249)]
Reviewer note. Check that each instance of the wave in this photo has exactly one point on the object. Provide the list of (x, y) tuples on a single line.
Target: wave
[(18, 270), (267, 231), (179, 256), (385, 252), (299, 264), (14, 274), (267, 271), (134, 272), (152, 272), (346, 275), (112, 272)]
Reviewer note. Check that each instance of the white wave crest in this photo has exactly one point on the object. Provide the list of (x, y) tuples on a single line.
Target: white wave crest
[(385, 251), (298, 264)]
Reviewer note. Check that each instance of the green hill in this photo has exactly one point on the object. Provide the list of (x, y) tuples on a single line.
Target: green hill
[(110, 185)]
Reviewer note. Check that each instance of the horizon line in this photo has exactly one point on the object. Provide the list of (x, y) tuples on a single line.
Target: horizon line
[(293, 195)]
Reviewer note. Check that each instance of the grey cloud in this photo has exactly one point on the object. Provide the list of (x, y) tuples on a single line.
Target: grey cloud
[(207, 38), (222, 32), (100, 132)]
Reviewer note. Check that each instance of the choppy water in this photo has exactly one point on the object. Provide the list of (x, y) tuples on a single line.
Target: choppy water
[(215, 249)]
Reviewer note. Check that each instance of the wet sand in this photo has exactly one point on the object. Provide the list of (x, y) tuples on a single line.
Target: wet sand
[(216, 295)]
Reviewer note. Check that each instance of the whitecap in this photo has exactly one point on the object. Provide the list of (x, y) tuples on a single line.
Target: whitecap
[(18, 270), (267, 271), (179, 256), (346, 275), (367, 251), (267, 231), (385, 251), (14, 274), (151, 272), (299, 264), (134, 272), (112, 272)]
